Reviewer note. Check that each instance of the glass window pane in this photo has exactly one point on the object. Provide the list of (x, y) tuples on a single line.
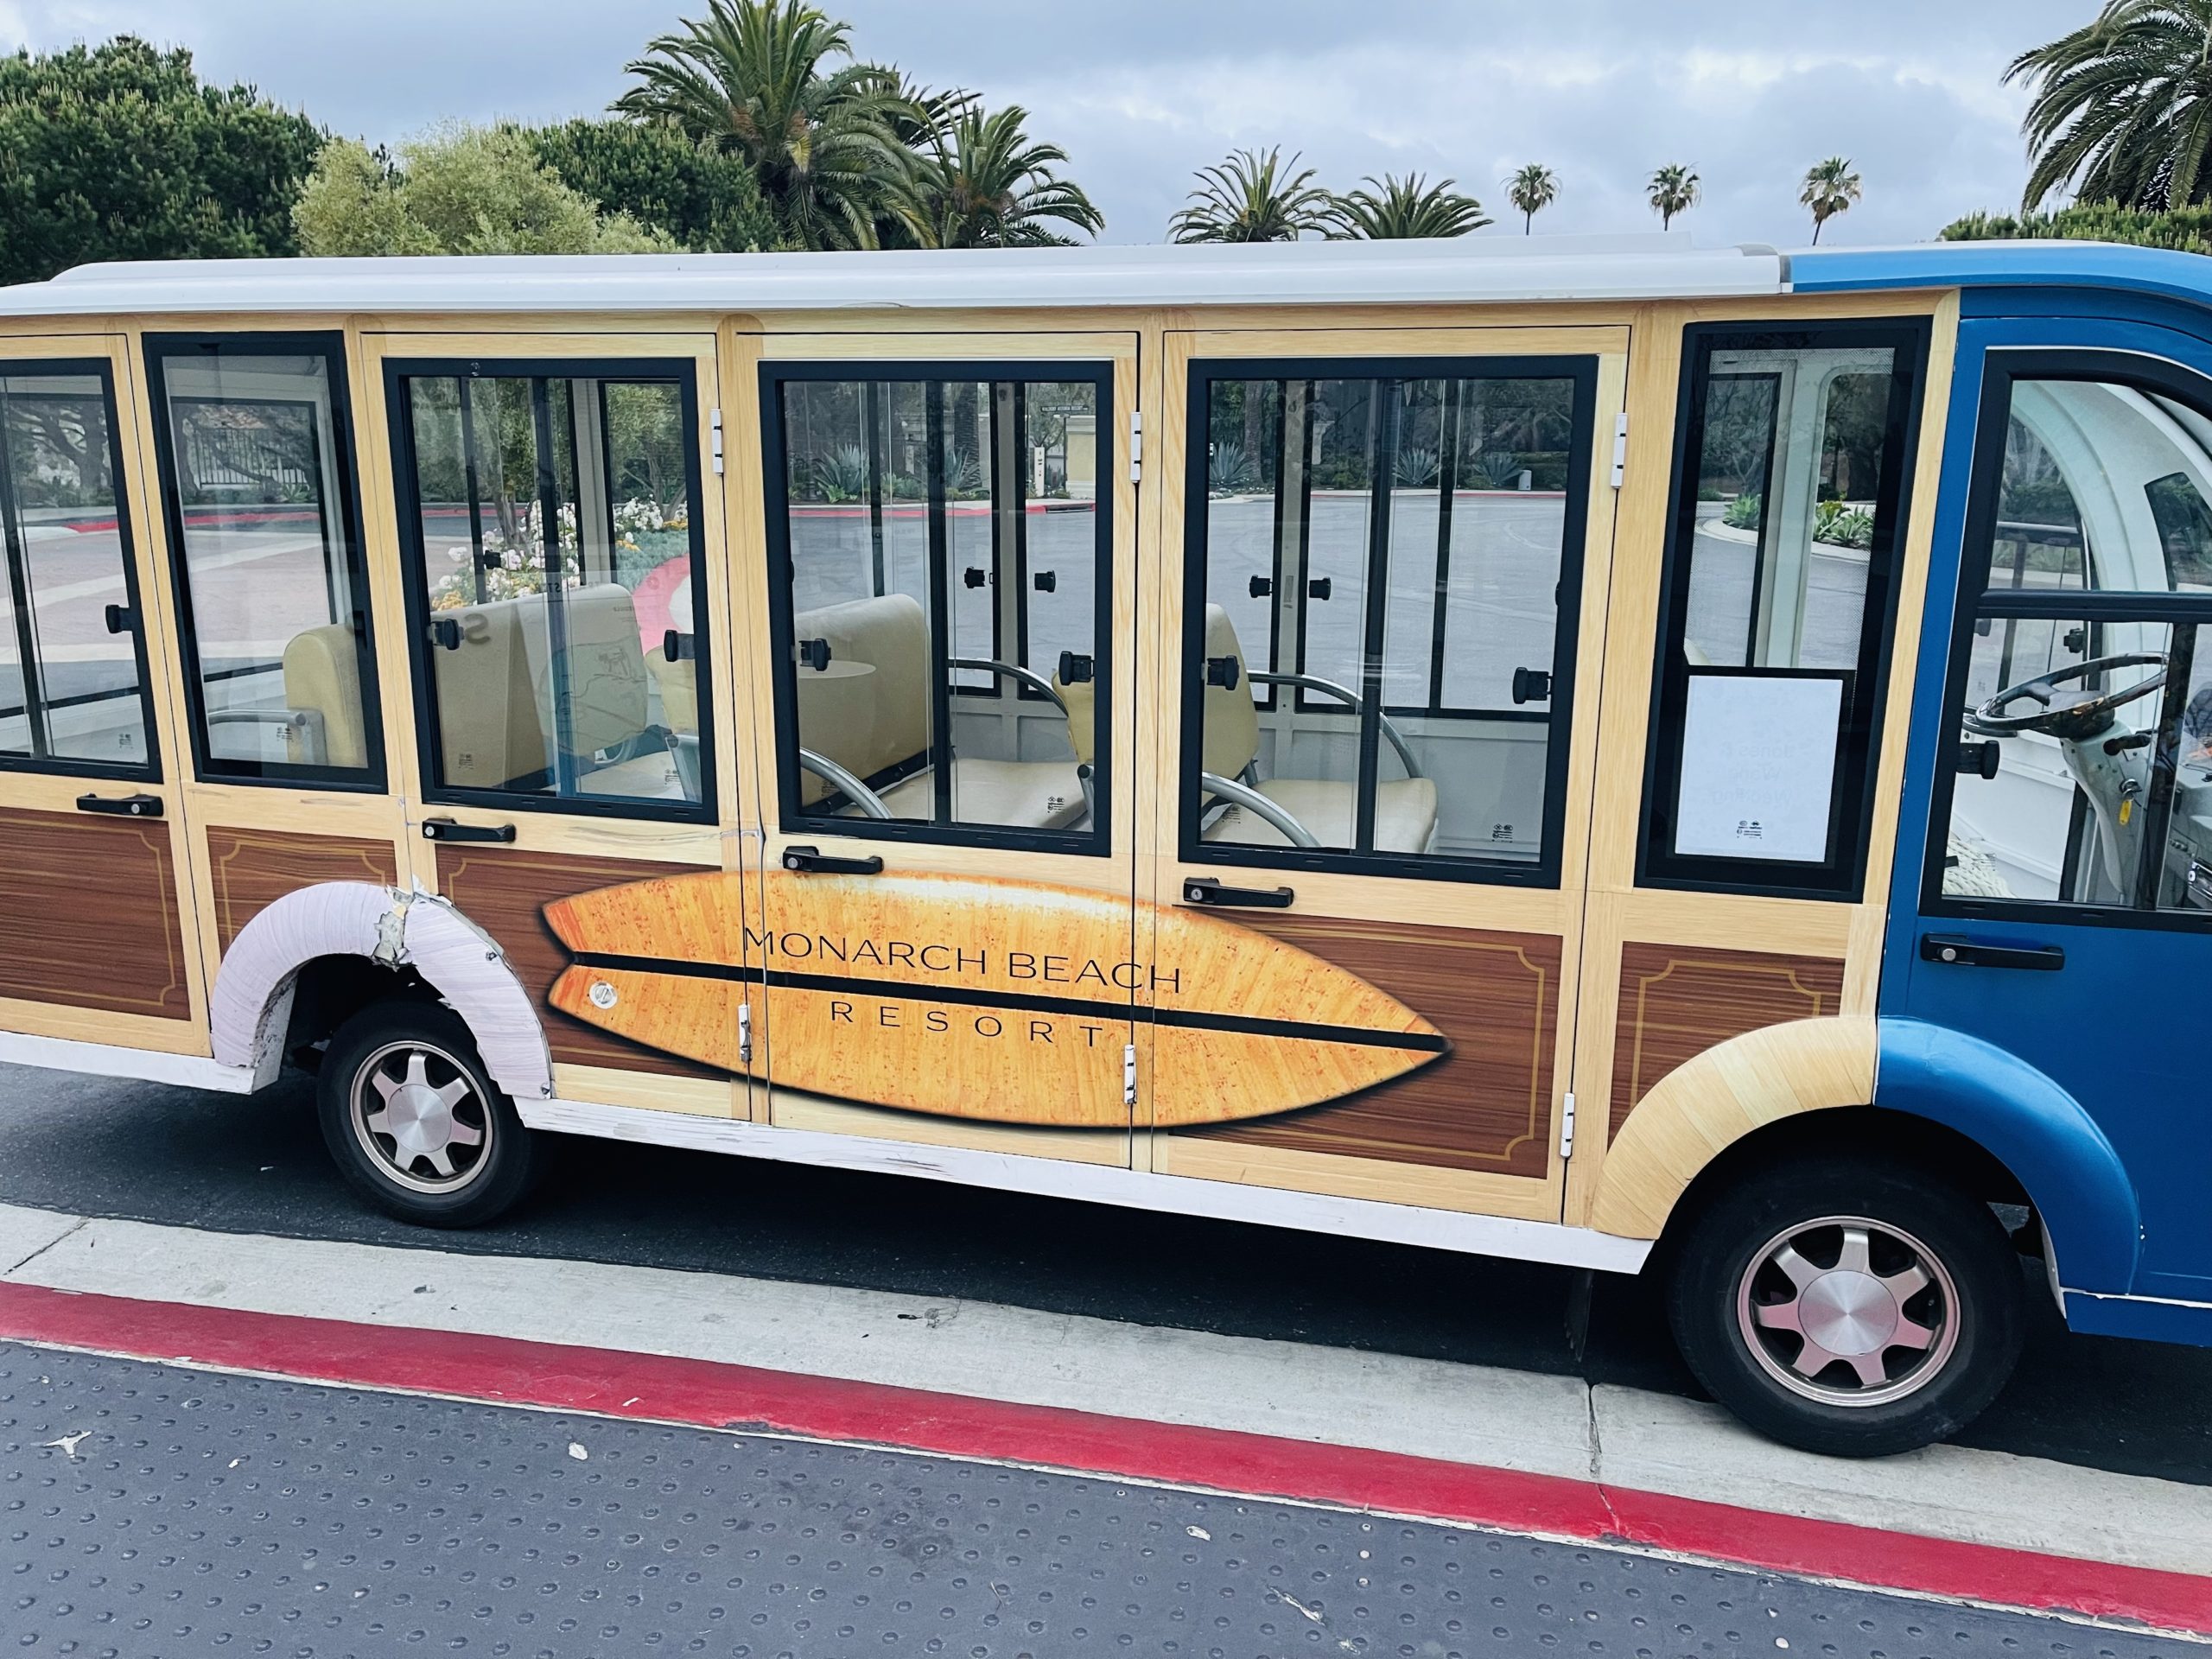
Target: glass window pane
[(70, 688), (1422, 750), (561, 566), (1773, 649), (278, 639), (942, 563), (2086, 743)]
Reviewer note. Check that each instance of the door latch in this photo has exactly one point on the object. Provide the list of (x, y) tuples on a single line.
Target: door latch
[(1566, 1129)]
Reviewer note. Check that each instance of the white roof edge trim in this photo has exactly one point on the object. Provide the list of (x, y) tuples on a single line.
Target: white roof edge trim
[(1470, 270)]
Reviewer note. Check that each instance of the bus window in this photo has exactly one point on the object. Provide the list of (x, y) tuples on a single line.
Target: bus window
[(1381, 593), (273, 606), (72, 675), (555, 569), (2085, 701), (939, 571), (1774, 624)]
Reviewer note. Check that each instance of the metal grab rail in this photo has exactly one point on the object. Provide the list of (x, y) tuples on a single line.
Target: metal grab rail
[(1251, 799), (1330, 688), (1028, 676), (870, 804)]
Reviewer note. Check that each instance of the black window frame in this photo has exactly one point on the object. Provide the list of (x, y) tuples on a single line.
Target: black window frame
[(2002, 368), (682, 373), (329, 344), (1544, 871), (1840, 877), (149, 769), (774, 375)]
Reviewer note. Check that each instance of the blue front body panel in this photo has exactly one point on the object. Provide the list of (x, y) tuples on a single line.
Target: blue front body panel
[(2108, 1063)]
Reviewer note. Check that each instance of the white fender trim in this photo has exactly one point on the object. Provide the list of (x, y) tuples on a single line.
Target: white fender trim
[(252, 1000)]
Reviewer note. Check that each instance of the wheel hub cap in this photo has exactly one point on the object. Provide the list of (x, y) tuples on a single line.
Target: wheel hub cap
[(1849, 1312), (418, 1122)]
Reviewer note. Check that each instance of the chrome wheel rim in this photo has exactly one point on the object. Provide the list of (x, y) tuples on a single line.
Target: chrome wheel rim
[(421, 1118), (1848, 1312)]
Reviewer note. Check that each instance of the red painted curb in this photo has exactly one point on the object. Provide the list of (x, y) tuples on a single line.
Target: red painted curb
[(658, 1388)]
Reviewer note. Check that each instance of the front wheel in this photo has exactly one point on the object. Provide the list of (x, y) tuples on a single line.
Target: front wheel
[(416, 1124), (1848, 1307)]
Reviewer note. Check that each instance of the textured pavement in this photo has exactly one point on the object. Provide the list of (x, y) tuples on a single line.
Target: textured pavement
[(150, 1512)]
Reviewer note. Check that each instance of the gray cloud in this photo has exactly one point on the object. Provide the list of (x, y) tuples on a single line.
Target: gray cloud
[(1144, 92)]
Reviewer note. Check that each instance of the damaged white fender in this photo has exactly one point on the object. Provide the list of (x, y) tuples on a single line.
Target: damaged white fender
[(252, 1001)]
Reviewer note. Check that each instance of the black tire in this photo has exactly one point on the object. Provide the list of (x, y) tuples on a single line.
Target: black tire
[(1730, 1286), (481, 1178)]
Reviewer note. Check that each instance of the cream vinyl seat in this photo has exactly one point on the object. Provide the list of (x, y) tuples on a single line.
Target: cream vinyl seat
[(889, 636), (1405, 807)]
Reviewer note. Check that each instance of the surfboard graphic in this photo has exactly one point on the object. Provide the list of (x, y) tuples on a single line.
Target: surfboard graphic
[(1004, 1001)]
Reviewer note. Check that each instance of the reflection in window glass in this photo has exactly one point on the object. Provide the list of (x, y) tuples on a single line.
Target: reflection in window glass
[(69, 682), (259, 495), (1773, 625), (1427, 513), (560, 567), (941, 592), (2086, 743)]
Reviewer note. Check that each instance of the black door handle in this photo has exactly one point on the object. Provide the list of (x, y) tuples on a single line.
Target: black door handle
[(814, 861), (1206, 890), (450, 830), (121, 619), (1964, 952), (122, 806)]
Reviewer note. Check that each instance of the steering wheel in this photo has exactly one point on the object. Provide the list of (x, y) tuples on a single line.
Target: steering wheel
[(2076, 715)]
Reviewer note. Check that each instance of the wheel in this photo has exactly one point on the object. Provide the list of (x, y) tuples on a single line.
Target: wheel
[(1848, 1306), (415, 1124)]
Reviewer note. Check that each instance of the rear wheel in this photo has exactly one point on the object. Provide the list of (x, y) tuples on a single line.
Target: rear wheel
[(1848, 1306), (416, 1124)]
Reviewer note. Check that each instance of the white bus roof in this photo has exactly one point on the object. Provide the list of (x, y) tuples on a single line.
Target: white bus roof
[(1464, 270)]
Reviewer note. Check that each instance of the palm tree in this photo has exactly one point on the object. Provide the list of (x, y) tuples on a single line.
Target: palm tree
[(1408, 208), (984, 183), (754, 78), (1830, 188), (1246, 199), (1534, 188), (1674, 190), (2123, 106)]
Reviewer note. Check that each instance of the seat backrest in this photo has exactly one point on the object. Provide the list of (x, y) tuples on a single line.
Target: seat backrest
[(892, 635), (323, 675), (495, 689), (1232, 720)]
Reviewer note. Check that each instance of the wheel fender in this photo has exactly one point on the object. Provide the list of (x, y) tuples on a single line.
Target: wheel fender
[(1712, 1100), (252, 1000), (2039, 1131)]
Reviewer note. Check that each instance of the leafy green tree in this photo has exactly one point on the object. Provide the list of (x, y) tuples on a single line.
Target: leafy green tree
[(1254, 198), (2122, 109), (984, 183), (455, 189), (1673, 189), (1533, 189), (774, 83), (706, 200), (117, 152), (1830, 188), (1395, 209), (2186, 229)]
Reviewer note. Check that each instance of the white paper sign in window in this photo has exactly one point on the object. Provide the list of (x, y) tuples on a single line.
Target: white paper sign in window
[(1758, 766)]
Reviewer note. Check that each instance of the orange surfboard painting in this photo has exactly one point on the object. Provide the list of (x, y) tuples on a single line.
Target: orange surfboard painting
[(1003, 1002)]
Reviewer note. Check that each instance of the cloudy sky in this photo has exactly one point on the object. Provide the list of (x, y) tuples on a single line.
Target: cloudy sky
[(1140, 92)]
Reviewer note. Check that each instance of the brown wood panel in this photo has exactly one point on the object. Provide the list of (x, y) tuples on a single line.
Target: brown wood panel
[(88, 914), (253, 868), (1678, 1000), (1485, 1107), (505, 891)]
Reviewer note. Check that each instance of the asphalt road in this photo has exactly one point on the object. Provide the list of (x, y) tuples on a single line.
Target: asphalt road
[(95, 1147)]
